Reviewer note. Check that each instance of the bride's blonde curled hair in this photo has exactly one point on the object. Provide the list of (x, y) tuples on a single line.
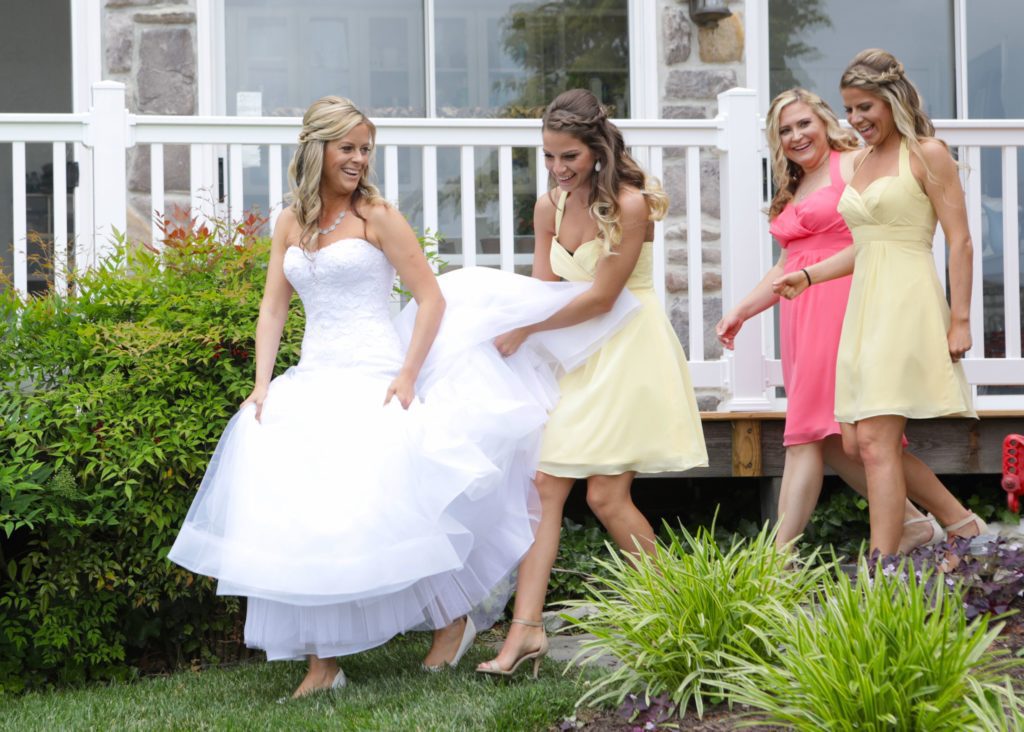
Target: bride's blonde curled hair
[(327, 119), (578, 113)]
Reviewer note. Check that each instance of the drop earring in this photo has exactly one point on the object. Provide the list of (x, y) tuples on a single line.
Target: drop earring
[(597, 167)]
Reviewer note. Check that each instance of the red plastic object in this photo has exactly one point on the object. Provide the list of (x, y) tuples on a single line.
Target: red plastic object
[(1013, 470)]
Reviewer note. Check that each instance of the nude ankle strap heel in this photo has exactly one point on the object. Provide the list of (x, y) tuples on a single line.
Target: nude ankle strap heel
[(982, 526), (492, 667)]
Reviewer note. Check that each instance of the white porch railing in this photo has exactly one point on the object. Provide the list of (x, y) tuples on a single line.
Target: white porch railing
[(746, 377)]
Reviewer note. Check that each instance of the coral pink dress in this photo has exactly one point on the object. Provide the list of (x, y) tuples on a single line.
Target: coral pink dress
[(810, 325)]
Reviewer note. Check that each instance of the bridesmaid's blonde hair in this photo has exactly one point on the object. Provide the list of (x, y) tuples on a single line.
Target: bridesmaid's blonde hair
[(327, 119), (578, 113), (786, 173), (879, 73)]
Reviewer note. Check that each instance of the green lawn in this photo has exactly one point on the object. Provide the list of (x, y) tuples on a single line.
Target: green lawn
[(386, 691)]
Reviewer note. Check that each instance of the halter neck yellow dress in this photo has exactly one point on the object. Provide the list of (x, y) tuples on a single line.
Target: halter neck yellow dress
[(631, 406), (893, 354)]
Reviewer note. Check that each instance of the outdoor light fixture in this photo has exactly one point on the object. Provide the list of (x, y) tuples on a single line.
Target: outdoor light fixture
[(708, 12)]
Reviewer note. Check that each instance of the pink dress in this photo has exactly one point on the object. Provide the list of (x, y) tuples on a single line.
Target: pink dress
[(810, 325)]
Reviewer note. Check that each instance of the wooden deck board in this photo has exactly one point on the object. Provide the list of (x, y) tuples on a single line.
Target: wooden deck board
[(949, 446)]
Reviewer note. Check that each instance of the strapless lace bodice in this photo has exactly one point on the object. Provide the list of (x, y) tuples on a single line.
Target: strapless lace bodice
[(345, 289)]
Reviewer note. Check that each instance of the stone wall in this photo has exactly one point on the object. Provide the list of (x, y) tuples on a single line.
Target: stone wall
[(150, 46), (696, 64)]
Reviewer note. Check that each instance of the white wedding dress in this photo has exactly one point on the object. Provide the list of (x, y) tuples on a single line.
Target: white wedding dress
[(345, 522)]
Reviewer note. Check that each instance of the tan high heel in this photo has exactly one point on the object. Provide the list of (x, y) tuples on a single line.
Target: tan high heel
[(982, 526), (492, 667), (936, 535)]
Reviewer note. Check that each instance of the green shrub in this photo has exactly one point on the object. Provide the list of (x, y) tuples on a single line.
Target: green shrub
[(893, 651), (110, 405), (675, 619)]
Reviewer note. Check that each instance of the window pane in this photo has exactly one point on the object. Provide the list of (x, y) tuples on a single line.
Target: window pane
[(995, 55), (508, 58), (296, 52), (281, 57), (812, 41)]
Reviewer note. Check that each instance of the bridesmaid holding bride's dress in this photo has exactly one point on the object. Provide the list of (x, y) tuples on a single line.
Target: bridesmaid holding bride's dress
[(383, 484)]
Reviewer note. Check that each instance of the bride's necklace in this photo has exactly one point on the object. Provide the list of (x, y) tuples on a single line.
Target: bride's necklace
[(332, 227)]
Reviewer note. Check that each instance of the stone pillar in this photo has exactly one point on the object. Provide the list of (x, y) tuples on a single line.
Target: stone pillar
[(150, 46), (697, 64)]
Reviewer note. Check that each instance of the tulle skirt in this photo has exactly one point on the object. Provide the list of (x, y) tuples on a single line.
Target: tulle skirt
[(345, 522)]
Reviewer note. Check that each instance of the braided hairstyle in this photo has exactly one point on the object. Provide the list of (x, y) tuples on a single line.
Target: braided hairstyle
[(327, 119), (786, 173), (578, 113), (879, 73)]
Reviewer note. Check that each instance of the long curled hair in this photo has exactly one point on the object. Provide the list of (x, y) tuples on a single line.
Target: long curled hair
[(578, 113), (879, 73), (327, 119), (786, 173)]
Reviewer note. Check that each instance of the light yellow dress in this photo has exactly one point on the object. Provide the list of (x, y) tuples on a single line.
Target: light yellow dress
[(631, 405), (893, 353)]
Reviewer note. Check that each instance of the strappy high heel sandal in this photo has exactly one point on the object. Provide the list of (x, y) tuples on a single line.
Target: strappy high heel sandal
[(908, 544), (492, 667), (468, 635), (982, 526)]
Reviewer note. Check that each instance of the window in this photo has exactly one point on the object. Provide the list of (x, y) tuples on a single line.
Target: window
[(811, 41), (995, 55), (491, 58)]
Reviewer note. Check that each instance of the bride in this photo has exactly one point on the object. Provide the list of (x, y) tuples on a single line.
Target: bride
[(384, 483)]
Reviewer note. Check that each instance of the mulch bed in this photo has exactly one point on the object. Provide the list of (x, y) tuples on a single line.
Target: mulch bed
[(719, 718)]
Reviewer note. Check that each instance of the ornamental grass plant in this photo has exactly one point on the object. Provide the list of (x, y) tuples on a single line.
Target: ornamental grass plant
[(682, 618), (889, 650)]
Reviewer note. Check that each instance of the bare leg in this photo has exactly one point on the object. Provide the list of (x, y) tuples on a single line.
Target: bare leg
[(609, 498), (321, 674), (801, 487), (881, 452), (535, 571), (926, 489), (917, 529), (921, 484)]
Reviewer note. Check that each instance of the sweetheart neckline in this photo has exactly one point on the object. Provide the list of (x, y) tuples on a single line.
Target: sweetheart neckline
[(860, 194), (336, 241), (573, 252)]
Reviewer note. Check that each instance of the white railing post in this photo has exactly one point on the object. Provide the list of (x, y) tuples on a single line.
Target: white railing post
[(739, 140), (108, 138)]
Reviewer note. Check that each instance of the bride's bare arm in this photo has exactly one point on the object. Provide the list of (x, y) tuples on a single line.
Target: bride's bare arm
[(389, 229), (277, 294)]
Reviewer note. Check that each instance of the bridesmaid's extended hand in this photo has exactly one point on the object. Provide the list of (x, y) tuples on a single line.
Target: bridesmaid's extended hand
[(727, 329), (790, 285), (959, 338), (257, 397), (509, 343), (404, 388)]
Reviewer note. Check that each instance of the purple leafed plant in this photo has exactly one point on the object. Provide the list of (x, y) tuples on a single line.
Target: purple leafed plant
[(990, 573)]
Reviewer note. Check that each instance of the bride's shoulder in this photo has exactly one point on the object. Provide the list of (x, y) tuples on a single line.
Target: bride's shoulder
[(377, 210), (286, 228)]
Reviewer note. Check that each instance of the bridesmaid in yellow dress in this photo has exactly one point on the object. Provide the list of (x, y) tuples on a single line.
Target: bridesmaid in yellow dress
[(901, 345), (630, 408)]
